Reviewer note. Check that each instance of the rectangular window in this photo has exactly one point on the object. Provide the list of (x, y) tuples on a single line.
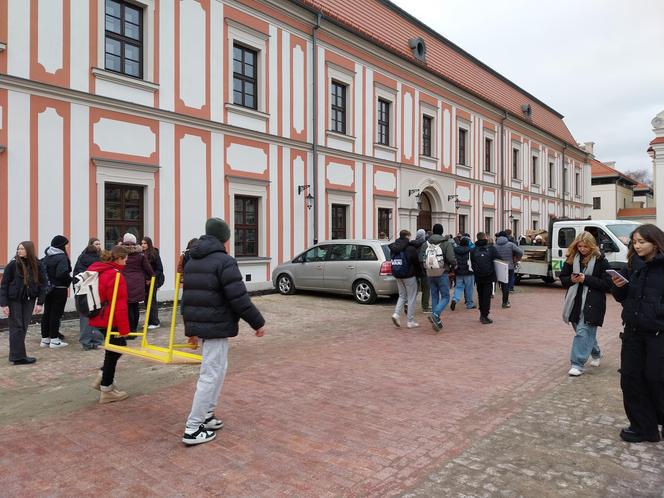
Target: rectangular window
[(338, 221), (123, 212), (488, 155), (535, 224), (552, 175), (488, 226), (535, 172), (338, 108), (426, 136), (515, 228), (244, 76), (246, 226), (123, 51), (384, 216), (597, 203), (463, 223), (565, 180), (566, 237), (577, 183), (383, 114), (515, 164), (462, 146)]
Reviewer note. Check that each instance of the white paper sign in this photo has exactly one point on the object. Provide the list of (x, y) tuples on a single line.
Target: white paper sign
[(502, 271)]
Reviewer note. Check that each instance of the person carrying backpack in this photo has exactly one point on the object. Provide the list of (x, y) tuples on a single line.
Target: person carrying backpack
[(439, 260), (57, 267), (405, 268), (482, 258)]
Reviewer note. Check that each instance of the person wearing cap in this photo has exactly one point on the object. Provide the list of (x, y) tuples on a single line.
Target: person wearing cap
[(57, 266), (214, 299), (136, 272)]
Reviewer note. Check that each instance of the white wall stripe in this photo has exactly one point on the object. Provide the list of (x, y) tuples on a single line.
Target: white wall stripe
[(217, 61), (286, 84), (18, 161), (18, 40), (80, 178)]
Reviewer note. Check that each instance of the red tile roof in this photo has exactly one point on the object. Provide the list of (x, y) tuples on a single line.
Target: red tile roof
[(598, 169), (387, 25), (642, 186), (658, 140), (636, 212)]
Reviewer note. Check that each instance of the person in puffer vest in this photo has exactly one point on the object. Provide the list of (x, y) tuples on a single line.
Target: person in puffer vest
[(213, 301)]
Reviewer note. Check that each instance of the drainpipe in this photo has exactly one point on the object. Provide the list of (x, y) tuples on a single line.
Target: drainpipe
[(502, 174), (564, 178), (314, 181)]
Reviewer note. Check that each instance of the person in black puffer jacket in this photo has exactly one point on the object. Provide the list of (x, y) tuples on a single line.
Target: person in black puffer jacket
[(213, 301), (152, 253), (641, 365), (465, 278), (89, 337), (406, 282), (58, 268)]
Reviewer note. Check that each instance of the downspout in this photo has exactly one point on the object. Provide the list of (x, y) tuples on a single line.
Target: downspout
[(314, 181), (564, 178), (502, 175)]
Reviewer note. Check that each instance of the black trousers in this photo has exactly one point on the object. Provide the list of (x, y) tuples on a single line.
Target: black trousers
[(642, 380), (484, 288), (20, 313), (506, 287), (54, 308), (134, 314), (154, 310), (111, 360)]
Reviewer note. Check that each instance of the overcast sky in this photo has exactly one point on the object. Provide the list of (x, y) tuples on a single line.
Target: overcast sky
[(599, 63)]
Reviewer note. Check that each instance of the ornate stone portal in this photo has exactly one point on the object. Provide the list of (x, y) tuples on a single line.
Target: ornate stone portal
[(657, 153)]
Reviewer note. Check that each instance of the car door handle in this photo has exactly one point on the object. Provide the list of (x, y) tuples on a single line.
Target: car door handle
[(350, 267)]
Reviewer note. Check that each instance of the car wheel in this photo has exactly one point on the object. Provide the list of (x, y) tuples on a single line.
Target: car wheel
[(363, 292), (285, 284)]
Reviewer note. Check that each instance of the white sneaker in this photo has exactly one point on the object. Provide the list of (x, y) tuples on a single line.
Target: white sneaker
[(594, 362), (57, 343), (412, 325), (152, 327), (574, 372), (395, 320), (212, 423), (45, 343), (198, 436)]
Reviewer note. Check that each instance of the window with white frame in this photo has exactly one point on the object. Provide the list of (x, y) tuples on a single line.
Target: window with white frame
[(427, 135), (244, 76), (516, 162), (463, 144), (246, 226), (534, 169), (383, 122), (384, 223), (552, 174), (123, 44), (565, 186), (488, 226), (535, 224), (340, 112), (246, 51), (577, 183), (488, 154)]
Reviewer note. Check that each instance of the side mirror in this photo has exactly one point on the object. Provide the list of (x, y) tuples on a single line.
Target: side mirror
[(609, 246)]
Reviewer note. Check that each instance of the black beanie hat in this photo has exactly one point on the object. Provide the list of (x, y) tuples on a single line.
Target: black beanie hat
[(59, 242), (218, 228), (438, 229)]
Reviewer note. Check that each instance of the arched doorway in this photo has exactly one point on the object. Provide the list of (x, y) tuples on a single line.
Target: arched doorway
[(424, 217)]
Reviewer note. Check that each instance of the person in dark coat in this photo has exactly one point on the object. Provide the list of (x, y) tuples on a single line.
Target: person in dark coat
[(465, 278), (152, 253), (407, 283), (214, 300), (89, 337), (482, 257), (423, 280), (22, 284), (507, 251), (641, 365), (136, 272), (584, 274), (58, 269)]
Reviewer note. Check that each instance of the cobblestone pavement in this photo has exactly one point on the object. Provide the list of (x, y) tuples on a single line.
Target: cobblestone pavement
[(335, 401)]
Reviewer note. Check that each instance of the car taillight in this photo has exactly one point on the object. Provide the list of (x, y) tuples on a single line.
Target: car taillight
[(386, 269)]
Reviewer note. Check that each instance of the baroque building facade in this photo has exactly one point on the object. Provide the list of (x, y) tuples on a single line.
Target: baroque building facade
[(296, 121)]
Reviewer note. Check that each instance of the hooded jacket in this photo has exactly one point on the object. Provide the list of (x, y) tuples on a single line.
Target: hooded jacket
[(14, 288), (481, 248), (137, 271), (107, 272), (215, 297), (507, 250), (462, 254), (643, 297), (410, 248), (85, 259), (446, 243), (58, 267)]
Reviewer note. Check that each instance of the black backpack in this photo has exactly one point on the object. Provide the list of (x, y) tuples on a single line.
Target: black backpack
[(483, 262), (400, 265)]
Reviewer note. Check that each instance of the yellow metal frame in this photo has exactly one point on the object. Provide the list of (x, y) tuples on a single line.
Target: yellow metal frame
[(146, 350)]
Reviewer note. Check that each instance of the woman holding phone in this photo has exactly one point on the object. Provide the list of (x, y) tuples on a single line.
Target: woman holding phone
[(584, 274), (641, 294)]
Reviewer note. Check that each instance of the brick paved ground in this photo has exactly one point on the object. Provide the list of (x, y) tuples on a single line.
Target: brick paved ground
[(337, 402)]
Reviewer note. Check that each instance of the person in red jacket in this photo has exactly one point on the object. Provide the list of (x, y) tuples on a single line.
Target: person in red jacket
[(112, 263)]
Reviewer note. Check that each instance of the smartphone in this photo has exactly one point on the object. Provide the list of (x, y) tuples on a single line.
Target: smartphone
[(614, 273)]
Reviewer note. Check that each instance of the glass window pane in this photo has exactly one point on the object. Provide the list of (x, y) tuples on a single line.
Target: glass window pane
[(132, 213), (249, 88), (113, 8), (113, 62), (132, 52), (249, 101), (248, 57), (113, 194), (132, 31), (237, 85), (132, 68), (132, 195), (134, 230), (239, 204), (237, 97), (111, 236), (132, 14), (239, 218), (237, 66), (251, 235), (251, 248), (237, 53), (113, 212), (251, 205), (249, 71), (112, 24), (113, 46)]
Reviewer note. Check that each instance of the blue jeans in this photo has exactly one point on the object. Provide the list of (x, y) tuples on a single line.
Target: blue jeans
[(440, 294), (584, 344), (464, 286)]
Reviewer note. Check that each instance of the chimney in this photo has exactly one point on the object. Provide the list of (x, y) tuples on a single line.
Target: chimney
[(589, 147)]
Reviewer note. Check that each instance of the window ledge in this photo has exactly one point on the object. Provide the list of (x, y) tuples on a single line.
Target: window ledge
[(385, 148), (3, 46), (551, 191), (535, 185), (492, 173), (340, 136), (464, 166), (429, 158), (246, 111), (103, 74), (518, 180), (253, 259)]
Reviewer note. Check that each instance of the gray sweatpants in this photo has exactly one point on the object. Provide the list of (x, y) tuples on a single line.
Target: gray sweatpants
[(407, 294), (210, 381)]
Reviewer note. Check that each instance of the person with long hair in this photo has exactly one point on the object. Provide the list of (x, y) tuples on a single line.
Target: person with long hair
[(152, 253), (137, 271), (89, 337), (641, 293), (22, 285), (584, 275), (58, 269), (112, 263)]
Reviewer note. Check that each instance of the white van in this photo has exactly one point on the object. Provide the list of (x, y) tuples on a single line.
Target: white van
[(546, 262)]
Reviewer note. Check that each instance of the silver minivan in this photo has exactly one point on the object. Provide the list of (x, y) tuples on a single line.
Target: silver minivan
[(346, 266)]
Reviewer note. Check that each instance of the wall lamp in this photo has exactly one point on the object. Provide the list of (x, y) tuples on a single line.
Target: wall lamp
[(309, 198), (457, 202)]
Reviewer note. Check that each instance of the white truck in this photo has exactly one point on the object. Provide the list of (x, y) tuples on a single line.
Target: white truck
[(546, 261)]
